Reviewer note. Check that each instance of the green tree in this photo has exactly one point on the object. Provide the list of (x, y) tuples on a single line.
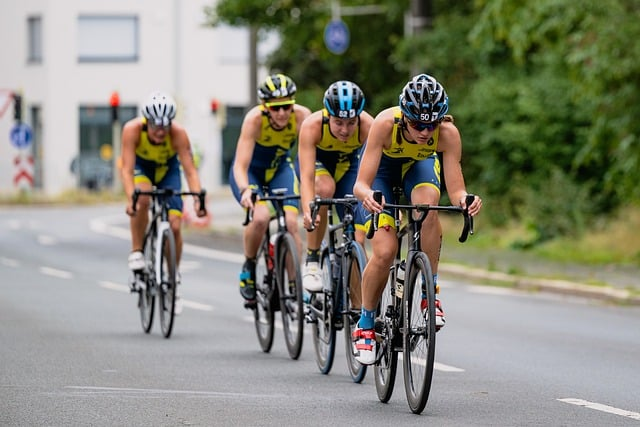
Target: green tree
[(368, 61)]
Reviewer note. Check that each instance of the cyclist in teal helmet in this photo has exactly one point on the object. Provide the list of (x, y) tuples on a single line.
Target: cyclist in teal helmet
[(330, 143)]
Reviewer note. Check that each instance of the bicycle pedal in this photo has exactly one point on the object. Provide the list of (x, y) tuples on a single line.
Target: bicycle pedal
[(251, 305)]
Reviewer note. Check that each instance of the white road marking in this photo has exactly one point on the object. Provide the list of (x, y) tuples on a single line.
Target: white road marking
[(46, 240), (9, 262), (62, 274), (602, 407), (446, 368), (148, 391), (125, 289), (114, 286)]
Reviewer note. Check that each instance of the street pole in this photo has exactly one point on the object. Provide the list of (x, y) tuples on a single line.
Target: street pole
[(419, 20)]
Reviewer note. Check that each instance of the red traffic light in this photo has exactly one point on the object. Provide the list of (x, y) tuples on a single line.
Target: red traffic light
[(114, 101), (215, 104)]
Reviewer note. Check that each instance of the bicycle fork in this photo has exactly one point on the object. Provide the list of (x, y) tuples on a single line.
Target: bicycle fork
[(162, 227)]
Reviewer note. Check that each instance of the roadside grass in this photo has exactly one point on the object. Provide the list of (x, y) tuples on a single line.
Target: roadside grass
[(615, 241), (78, 196)]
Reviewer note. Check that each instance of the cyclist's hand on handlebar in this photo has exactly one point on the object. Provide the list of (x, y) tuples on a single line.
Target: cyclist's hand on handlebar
[(473, 207), (246, 198), (200, 210), (370, 204)]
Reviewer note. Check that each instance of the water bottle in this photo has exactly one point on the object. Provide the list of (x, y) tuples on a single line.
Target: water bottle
[(270, 259), (400, 270)]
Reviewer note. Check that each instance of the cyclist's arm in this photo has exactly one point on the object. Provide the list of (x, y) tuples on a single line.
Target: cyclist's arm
[(310, 136), (249, 134), (182, 146), (130, 139), (450, 144), (379, 138)]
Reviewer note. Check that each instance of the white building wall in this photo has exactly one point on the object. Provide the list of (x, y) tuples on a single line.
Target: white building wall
[(177, 54)]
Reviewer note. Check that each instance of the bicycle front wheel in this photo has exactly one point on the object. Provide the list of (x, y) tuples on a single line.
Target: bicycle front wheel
[(419, 338), (167, 303), (387, 365), (146, 293), (353, 268), (290, 288), (263, 311), (322, 312)]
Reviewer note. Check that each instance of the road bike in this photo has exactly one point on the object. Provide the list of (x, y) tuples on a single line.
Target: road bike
[(342, 261), (405, 319), (158, 278), (278, 278)]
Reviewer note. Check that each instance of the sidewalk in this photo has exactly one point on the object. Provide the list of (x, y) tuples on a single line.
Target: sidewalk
[(614, 283)]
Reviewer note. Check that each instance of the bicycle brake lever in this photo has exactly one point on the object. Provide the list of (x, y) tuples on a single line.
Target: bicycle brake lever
[(468, 219), (373, 227)]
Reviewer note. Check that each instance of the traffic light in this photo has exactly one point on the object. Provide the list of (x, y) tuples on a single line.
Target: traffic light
[(17, 107), (114, 101)]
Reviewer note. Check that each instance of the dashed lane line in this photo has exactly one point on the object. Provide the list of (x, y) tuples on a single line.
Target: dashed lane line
[(602, 407)]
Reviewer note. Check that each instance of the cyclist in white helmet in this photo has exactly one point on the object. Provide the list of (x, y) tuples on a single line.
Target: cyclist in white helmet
[(154, 147)]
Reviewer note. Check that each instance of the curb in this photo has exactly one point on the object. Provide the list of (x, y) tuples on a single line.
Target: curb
[(565, 287)]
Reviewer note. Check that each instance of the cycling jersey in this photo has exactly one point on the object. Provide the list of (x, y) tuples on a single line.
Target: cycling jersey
[(158, 165), (271, 162), (406, 164)]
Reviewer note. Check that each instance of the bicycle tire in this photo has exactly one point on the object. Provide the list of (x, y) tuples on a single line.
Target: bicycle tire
[(386, 367), (146, 295), (323, 311), (291, 304), (167, 287), (354, 262), (263, 312), (419, 337)]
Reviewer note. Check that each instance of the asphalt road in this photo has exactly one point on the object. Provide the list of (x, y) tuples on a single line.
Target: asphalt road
[(73, 351)]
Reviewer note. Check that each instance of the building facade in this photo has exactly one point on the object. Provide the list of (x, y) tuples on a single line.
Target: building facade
[(67, 60)]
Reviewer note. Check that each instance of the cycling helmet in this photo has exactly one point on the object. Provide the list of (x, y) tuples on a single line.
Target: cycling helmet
[(276, 86), (423, 99), (344, 99), (160, 109)]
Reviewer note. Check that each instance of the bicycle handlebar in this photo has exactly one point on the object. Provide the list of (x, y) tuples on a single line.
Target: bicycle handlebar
[(424, 209), (167, 192), (277, 194), (316, 203)]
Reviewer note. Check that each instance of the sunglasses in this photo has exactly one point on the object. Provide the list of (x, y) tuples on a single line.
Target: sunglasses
[(159, 127), (276, 106), (420, 126)]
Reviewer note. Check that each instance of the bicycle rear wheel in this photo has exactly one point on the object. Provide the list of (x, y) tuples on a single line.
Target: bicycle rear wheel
[(387, 365), (290, 288), (144, 281), (353, 267), (263, 311), (322, 309), (419, 338), (167, 295)]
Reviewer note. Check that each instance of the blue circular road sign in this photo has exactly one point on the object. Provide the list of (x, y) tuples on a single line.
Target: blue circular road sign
[(21, 135), (336, 36)]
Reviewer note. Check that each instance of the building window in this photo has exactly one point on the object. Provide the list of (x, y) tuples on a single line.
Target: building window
[(34, 24), (94, 165), (107, 38)]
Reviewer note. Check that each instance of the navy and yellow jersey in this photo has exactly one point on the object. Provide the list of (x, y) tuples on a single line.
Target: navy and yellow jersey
[(274, 146), (158, 165), (335, 157), (402, 149), (155, 160), (271, 163), (407, 165)]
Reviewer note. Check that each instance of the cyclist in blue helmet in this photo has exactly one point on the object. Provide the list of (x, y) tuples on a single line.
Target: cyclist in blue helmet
[(402, 150), (330, 143)]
